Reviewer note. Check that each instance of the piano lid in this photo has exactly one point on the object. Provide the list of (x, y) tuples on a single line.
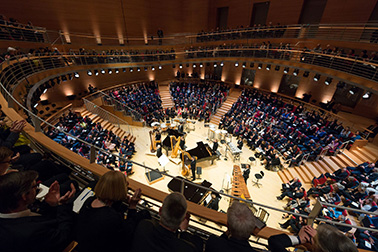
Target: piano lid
[(201, 151), (167, 140), (192, 192)]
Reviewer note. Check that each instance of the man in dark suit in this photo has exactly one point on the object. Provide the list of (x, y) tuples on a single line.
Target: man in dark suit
[(163, 236), (193, 165), (159, 151), (215, 145), (160, 35), (246, 173), (181, 128), (241, 223), (23, 230)]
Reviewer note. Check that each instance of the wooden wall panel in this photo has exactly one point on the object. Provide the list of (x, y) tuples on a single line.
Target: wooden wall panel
[(284, 12), (347, 11), (268, 80), (319, 91)]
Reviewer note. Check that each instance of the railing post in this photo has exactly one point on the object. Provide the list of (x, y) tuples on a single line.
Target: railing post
[(92, 155), (37, 123)]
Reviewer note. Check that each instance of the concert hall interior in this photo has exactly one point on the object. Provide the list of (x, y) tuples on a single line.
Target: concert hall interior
[(270, 103)]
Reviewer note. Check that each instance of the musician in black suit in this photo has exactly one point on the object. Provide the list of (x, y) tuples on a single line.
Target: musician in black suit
[(246, 173), (193, 165), (215, 145), (181, 128), (240, 143), (159, 151)]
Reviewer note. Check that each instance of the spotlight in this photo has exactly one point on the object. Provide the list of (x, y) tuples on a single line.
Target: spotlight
[(316, 77), (58, 81), (194, 65), (35, 105), (160, 67), (153, 68), (70, 77), (103, 71), (286, 70), (131, 70), (44, 91), (259, 66), (116, 70), (77, 75), (96, 72), (236, 64), (124, 70), (180, 66), (138, 69), (340, 84), (296, 71), (187, 64), (366, 95), (353, 90), (215, 65), (252, 65), (221, 64), (89, 72), (110, 71), (244, 64), (201, 65), (268, 67), (277, 68), (64, 78), (145, 69), (306, 74), (328, 81), (173, 66)]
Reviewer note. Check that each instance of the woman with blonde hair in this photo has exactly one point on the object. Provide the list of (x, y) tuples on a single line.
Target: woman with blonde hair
[(101, 226)]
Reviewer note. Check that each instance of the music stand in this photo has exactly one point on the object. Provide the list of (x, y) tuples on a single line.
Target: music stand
[(163, 161)]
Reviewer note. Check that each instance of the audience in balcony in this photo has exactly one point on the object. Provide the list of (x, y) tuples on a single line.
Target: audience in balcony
[(102, 217), (196, 100), (25, 230), (12, 30), (240, 224)]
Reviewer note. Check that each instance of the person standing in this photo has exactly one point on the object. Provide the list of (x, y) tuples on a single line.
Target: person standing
[(193, 165), (246, 173), (160, 35)]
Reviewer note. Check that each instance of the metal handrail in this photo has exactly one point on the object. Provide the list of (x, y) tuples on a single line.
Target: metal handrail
[(115, 120)]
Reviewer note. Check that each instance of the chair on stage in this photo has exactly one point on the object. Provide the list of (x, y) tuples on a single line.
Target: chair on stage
[(258, 176), (252, 159)]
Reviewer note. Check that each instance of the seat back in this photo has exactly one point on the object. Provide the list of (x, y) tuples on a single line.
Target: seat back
[(263, 215), (262, 174)]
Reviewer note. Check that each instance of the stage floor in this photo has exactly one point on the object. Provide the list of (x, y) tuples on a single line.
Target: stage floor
[(266, 194)]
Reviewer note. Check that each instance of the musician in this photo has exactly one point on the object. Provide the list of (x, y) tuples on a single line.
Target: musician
[(240, 143), (215, 145), (157, 134), (246, 173), (181, 127), (193, 165), (159, 151)]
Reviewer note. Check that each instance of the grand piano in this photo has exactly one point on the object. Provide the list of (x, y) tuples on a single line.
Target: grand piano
[(191, 191), (203, 152)]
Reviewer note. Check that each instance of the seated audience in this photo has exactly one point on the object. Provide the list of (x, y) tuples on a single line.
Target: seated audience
[(241, 224), (163, 236), (101, 218), (24, 230)]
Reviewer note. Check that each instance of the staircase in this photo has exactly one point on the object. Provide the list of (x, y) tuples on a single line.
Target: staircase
[(108, 126), (231, 98), (165, 96), (309, 170)]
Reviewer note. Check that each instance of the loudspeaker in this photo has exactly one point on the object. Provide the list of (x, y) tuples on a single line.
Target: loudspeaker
[(199, 170)]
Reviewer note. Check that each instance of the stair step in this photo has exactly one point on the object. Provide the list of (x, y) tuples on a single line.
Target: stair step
[(334, 167), (354, 157), (325, 166), (283, 177), (346, 160), (317, 166), (304, 173), (313, 171), (361, 153)]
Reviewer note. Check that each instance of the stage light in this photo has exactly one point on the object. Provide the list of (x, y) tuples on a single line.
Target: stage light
[(306, 74), (138, 69), (215, 65), (103, 71), (70, 77), (116, 70), (286, 70), (252, 65), (244, 64), (180, 66), (353, 90), (340, 84), (145, 69), (236, 64), (160, 67), (124, 70), (89, 72), (153, 68), (35, 105), (296, 71), (131, 70), (187, 64), (64, 78), (194, 65), (328, 81), (96, 72), (316, 77), (366, 95), (277, 68), (259, 66), (44, 91), (58, 81), (77, 75), (201, 65), (173, 66), (268, 67), (110, 71), (221, 64)]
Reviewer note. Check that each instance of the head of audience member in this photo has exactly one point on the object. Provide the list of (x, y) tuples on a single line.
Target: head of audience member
[(111, 187), (330, 239), (17, 191), (240, 221), (5, 159), (173, 211)]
